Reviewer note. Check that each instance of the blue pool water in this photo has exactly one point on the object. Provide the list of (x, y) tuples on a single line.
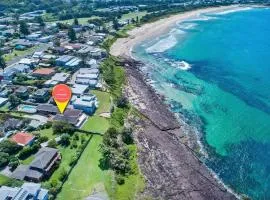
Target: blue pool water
[(225, 81)]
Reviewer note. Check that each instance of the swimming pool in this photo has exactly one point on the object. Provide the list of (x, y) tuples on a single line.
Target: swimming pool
[(27, 108)]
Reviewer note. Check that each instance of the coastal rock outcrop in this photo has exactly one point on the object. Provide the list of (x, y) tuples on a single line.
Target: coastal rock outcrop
[(171, 168)]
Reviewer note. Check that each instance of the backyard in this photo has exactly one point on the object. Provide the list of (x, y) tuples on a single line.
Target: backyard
[(94, 178)]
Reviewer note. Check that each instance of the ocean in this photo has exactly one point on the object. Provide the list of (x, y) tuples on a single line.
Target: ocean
[(215, 70)]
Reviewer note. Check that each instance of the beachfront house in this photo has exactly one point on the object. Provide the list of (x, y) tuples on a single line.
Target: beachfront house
[(86, 103)]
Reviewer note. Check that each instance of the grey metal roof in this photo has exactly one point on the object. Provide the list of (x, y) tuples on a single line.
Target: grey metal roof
[(42, 158), (20, 172)]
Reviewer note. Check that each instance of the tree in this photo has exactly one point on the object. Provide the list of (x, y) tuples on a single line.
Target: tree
[(63, 174), (76, 22), (42, 139), (40, 20), (9, 147), (71, 34), (24, 28), (62, 127), (13, 163), (2, 61), (137, 19), (127, 136), (122, 102), (56, 42), (14, 100), (52, 143), (4, 159), (116, 24), (65, 140)]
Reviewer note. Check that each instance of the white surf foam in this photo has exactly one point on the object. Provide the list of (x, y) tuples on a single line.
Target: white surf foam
[(183, 65), (163, 45), (233, 10), (187, 26)]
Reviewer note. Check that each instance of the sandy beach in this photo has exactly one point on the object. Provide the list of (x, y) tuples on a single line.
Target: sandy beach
[(123, 47)]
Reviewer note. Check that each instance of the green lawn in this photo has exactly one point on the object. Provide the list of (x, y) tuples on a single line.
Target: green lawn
[(48, 133), (66, 153), (81, 20), (15, 53), (87, 176), (133, 15), (104, 101), (4, 107), (28, 160), (96, 124), (4, 180)]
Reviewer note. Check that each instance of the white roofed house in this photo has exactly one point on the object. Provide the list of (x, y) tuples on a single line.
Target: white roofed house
[(79, 89), (38, 54), (86, 103), (88, 76), (12, 70), (28, 191)]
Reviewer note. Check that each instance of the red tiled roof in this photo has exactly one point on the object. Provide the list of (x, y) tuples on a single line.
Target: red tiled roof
[(44, 71), (22, 138)]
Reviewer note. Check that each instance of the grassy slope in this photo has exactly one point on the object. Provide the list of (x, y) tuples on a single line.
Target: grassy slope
[(104, 101), (133, 183)]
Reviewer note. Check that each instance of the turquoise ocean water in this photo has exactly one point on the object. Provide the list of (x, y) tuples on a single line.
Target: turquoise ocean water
[(222, 88)]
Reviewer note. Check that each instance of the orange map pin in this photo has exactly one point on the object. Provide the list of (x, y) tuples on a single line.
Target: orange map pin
[(61, 94)]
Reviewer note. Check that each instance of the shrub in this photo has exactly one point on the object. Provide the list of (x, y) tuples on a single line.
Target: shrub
[(62, 175), (120, 179), (4, 159), (62, 127), (52, 143), (65, 140)]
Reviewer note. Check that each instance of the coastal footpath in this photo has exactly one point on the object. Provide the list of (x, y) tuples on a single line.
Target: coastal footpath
[(170, 166)]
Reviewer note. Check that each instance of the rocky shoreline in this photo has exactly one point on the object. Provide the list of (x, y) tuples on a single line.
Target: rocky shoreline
[(171, 168)]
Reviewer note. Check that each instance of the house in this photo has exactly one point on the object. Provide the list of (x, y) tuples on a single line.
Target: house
[(23, 139), (62, 60), (61, 77), (33, 37), (44, 72), (41, 95), (3, 101), (41, 167), (47, 109), (45, 39), (79, 89), (72, 116), (88, 76), (28, 191), (28, 61), (11, 70), (38, 54), (22, 92), (25, 43), (73, 63), (86, 103), (11, 124), (4, 93), (59, 50)]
